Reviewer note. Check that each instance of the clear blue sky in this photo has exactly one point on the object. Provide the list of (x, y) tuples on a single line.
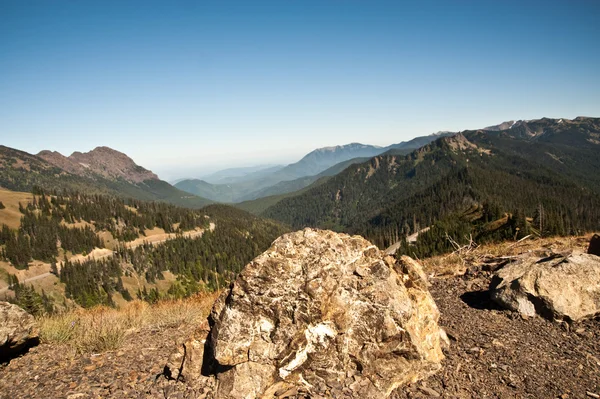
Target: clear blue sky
[(189, 87)]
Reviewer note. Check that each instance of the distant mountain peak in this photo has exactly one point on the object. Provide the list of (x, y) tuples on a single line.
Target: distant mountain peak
[(104, 161), (502, 126), (534, 127), (459, 142), (351, 146)]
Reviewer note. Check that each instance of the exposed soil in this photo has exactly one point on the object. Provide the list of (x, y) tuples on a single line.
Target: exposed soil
[(134, 371), (493, 354), (497, 354)]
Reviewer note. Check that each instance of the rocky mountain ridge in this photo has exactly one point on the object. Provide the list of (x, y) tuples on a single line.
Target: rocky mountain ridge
[(103, 161), (298, 175), (102, 170), (391, 196)]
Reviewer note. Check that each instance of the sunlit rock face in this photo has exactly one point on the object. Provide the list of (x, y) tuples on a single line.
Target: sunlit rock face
[(18, 331), (558, 287), (323, 312)]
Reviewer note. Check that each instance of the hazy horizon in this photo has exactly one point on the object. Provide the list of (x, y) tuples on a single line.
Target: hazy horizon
[(211, 85)]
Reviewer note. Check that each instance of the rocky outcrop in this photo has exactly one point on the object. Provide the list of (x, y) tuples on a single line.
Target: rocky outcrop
[(18, 330), (110, 163), (64, 163), (559, 287), (321, 313), (103, 161)]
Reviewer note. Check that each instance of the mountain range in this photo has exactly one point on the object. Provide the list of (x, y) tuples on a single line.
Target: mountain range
[(107, 171), (295, 176), (514, 168), (102, 170)]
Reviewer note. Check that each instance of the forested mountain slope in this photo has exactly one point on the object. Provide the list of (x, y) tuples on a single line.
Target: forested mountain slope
[(20, 171), (319, 163), (549, 166), (105, 249)]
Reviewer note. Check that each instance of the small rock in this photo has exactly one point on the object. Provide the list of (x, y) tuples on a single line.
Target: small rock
[(289, 393), (594, 247), (475, 350), (558, 287), (18, 330), (432, 393)]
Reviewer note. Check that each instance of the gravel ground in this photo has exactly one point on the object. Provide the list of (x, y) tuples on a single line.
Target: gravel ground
[(493, 354), (497, 354)]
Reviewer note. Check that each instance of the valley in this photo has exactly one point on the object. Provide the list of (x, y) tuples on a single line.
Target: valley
[(452, 189), (299, 199), (322, 162), (101, 234)]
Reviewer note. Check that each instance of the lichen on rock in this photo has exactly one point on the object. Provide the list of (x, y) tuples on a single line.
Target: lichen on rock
[(558, 287), (323, 311)]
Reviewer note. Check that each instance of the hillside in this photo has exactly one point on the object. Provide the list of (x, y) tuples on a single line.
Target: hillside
[(293, 177), (473, 176), (95, 249), (236, 175), (321, 162), (285, 189), (102, 171)]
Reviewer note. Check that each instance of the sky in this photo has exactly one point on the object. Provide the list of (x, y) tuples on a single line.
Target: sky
[(189, 87)]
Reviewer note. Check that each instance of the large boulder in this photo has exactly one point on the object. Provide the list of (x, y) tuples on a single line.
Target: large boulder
[(18, 330), (321, 313), (559, 287)]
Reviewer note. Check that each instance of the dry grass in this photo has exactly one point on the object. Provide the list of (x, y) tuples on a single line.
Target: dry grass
[(102, 329), (11, 215), (456, 263)]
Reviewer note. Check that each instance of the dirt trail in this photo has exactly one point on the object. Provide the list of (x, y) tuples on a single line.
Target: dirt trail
[(160, 238), (102, 253)]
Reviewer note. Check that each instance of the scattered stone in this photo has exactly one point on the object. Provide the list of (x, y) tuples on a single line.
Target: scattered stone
[(474, 350), (292, 392), (186, 363), (317, 307), (432, 393), (564, 364), (18, 331), (557, 287)]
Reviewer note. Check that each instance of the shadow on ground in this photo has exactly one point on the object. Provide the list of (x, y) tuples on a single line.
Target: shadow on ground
[(7, 355), (479, 300)]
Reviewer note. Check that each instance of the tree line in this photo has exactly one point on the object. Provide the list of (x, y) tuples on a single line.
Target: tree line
[(207, 262)]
